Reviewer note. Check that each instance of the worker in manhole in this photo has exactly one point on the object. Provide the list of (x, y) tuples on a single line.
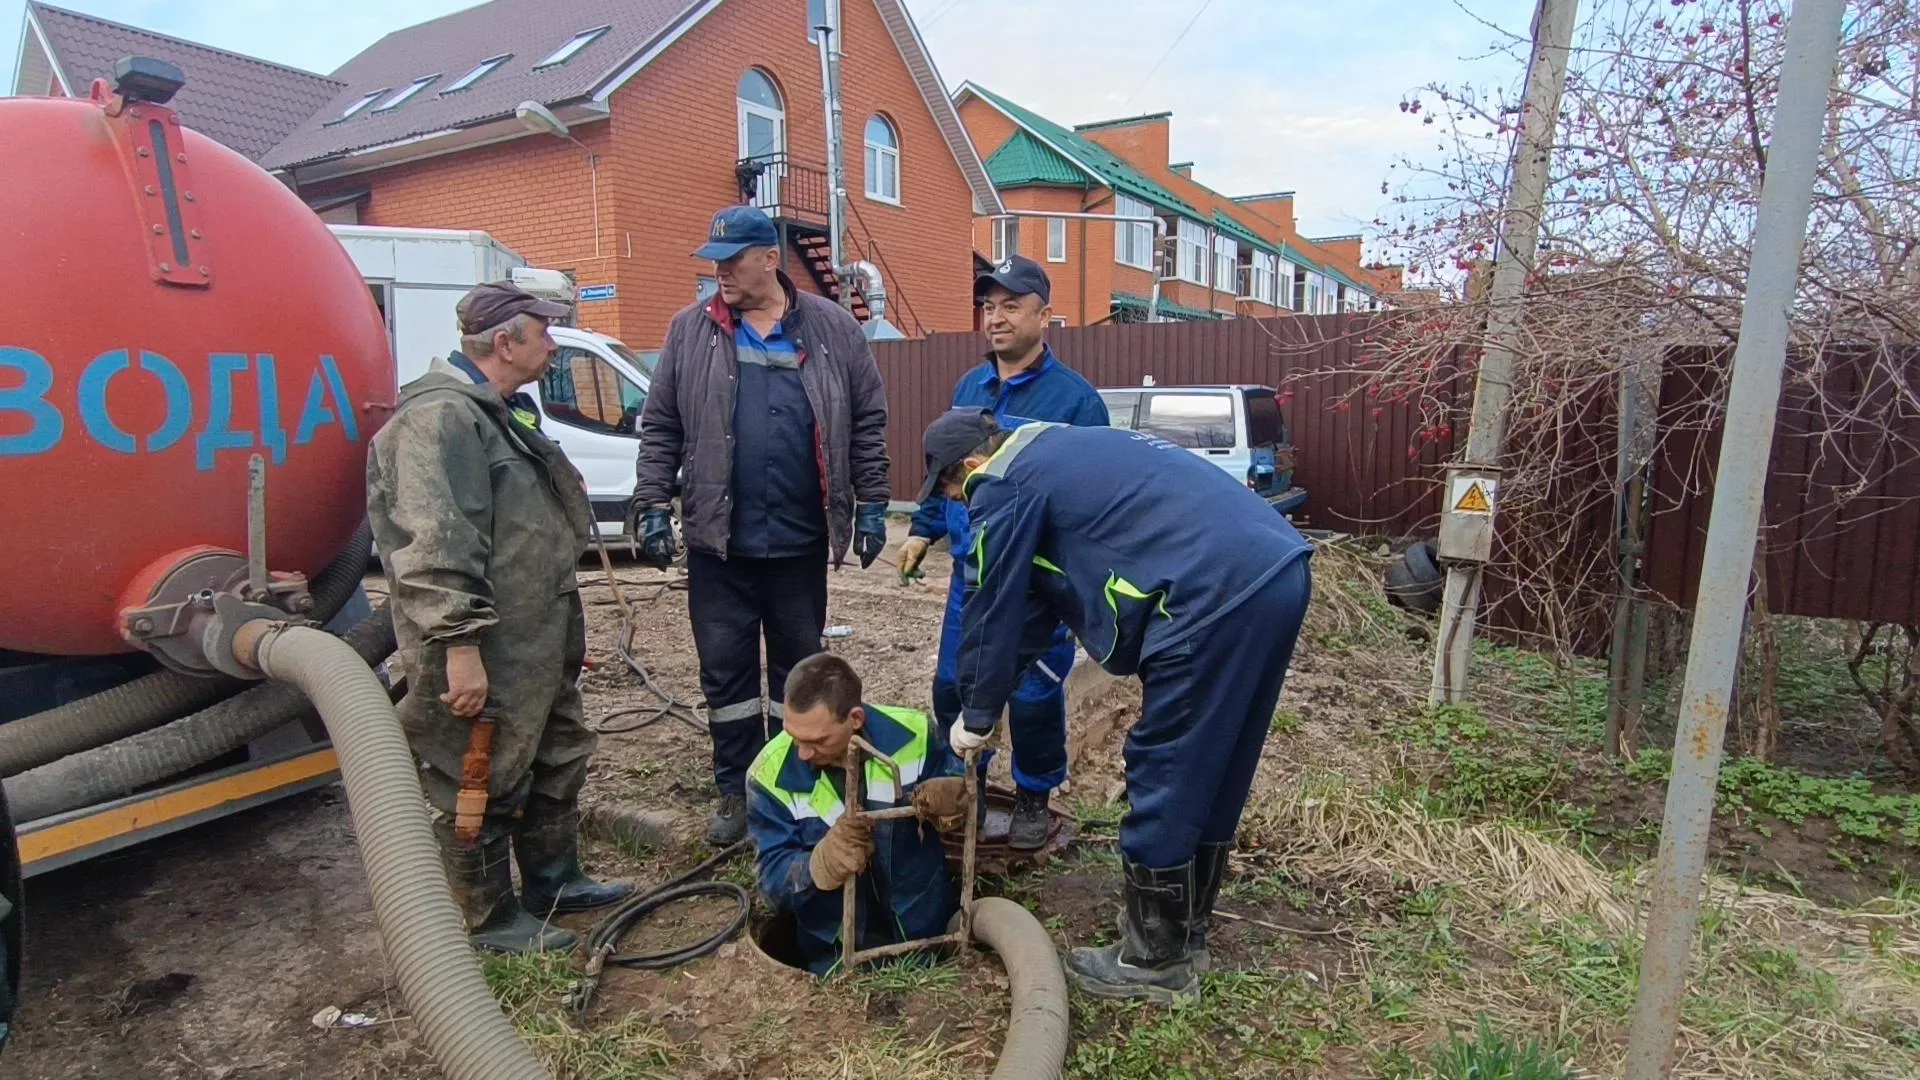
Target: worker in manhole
[(1020, 381), (1166, 569), (481, 522), (808, 846)]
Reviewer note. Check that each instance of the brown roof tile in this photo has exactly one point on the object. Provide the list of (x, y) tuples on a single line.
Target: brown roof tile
[(452, 45), (246, 104)]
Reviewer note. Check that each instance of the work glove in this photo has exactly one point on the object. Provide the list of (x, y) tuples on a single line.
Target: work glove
[(842, 853), (913, 552), (964, 741), (869, 532), (656, 537), (942, 802)]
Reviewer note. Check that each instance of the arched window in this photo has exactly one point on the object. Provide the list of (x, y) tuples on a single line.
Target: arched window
[(763, 134), (883, 160)]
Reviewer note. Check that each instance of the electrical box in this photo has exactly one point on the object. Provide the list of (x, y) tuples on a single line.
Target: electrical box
[(1466, 519)]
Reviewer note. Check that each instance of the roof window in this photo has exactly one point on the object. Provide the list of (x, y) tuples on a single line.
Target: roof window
[(480, 71), (573, 45), (361, 103), (405, 92)]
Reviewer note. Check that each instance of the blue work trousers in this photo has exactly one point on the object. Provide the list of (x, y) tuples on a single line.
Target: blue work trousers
[(1037, 712), (1206, 708)]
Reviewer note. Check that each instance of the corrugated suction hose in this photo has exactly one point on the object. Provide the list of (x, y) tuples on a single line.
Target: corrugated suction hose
[(124, 767), (1036, 1046), (152, 700), (422, 929)]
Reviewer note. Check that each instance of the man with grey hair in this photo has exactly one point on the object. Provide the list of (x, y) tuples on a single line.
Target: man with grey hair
[(481, 522)]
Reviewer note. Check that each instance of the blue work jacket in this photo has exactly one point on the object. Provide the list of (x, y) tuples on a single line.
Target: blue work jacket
[(1133, 542), (790, 807)]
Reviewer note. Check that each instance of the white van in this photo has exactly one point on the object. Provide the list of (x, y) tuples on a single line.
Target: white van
[(589, 402)]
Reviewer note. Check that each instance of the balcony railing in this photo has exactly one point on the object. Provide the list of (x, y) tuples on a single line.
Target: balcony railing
[(783, 187)]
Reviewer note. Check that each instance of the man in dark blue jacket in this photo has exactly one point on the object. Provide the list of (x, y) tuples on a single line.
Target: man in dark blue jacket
[(1164, 568), (1021, 380), (809, 847)]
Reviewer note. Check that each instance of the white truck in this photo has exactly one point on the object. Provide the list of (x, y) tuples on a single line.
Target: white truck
[(591, 399)]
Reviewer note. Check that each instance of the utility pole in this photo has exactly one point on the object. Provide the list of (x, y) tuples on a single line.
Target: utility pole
[(1753, 400), (1473, 484), (828, 32)]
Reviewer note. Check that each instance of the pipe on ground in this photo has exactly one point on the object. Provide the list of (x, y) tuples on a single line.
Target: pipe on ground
[(421, 927), (1036, 1046), (121, 768), (152, 700)]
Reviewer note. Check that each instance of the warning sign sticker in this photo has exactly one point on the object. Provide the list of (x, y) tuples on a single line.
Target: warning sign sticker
[(1473, 495)]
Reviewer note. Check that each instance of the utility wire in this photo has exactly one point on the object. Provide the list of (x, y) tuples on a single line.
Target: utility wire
[(941, 14), (1182, 36)]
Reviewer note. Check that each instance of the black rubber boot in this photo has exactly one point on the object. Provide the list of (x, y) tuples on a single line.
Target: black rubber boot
[(1151, 961), (728, 825), (1209, 872), (1031, 821), (547, 842), (482, 879)]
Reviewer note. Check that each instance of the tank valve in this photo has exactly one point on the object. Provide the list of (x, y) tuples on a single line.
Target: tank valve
[(143, 78)]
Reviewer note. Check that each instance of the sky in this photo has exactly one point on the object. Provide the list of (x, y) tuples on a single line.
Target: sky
[(1266, 95)]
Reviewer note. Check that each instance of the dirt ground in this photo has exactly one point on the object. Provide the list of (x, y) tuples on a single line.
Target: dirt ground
[(205, 955)]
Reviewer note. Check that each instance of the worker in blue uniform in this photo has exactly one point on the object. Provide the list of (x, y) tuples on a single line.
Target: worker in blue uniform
[(1021, 380), (808, 846), (1164, 568)]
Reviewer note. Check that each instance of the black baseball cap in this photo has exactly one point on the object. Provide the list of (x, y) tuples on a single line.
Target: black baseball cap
[(734, 230), (1018, 275), (950, 438), (492, 304)]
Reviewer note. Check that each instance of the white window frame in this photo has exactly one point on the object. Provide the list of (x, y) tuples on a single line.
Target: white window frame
[(768, 192), (1262, 272), (1290, 273), (572, 46), (1226, 263), (1133, 240), (480, 71), (1195, 251), (1056, 240), (883, 163), (406, 92), (355, 108), (1006, 239)]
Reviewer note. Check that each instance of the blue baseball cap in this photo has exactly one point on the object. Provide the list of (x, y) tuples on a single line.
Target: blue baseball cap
[(734, 230), (1018, 275)]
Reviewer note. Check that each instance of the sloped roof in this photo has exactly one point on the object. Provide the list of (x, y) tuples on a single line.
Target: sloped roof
[(1088, 156), (246, 104), (1240, 232), (452, 45), (1024, 160)]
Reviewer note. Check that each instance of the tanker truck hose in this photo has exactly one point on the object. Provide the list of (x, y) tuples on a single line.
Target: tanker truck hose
[(121, 768), (422, 929), (152, 700), (1036, 1046)]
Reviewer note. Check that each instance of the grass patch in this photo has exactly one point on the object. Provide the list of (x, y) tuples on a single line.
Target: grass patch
[(1245, 1025), (906, 975), (532, 989), (1492, 1056), (1795, 797), (891, 1057)]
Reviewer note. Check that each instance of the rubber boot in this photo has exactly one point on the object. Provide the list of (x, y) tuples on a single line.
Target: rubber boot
[(728, 825), (547, 842), (1031, 822), (1151, 961), (482, 879), (1209, 872)]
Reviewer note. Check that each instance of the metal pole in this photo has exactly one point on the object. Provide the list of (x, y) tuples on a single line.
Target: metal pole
[(1780, 229), (1466, 534), (828, 33)]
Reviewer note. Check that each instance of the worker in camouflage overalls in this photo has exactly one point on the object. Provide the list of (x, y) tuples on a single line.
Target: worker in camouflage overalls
[(481, 522)]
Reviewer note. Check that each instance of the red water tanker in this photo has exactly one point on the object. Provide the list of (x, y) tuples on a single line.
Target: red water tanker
[(173, 311)]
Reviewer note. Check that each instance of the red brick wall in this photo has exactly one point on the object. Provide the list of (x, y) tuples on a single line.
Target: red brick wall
[(1147, 142), (666, 164)]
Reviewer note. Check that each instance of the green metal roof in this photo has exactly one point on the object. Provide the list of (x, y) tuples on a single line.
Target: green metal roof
[(1241, 232), (1134, 302), (1024, 160), (1107, 168)]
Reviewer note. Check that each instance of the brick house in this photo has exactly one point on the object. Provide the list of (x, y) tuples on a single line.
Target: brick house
[(1226, 256), (670, 110)]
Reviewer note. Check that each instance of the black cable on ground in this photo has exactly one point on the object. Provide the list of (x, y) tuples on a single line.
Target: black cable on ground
[(603, 940), (669, 706)]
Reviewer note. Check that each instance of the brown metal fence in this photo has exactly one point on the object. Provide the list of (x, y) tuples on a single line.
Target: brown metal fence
[(1352, 457)]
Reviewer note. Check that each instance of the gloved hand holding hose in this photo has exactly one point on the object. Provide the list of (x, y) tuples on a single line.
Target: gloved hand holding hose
[(869, 532)]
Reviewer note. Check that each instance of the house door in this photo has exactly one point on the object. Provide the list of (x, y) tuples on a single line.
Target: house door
[(763, 136)]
